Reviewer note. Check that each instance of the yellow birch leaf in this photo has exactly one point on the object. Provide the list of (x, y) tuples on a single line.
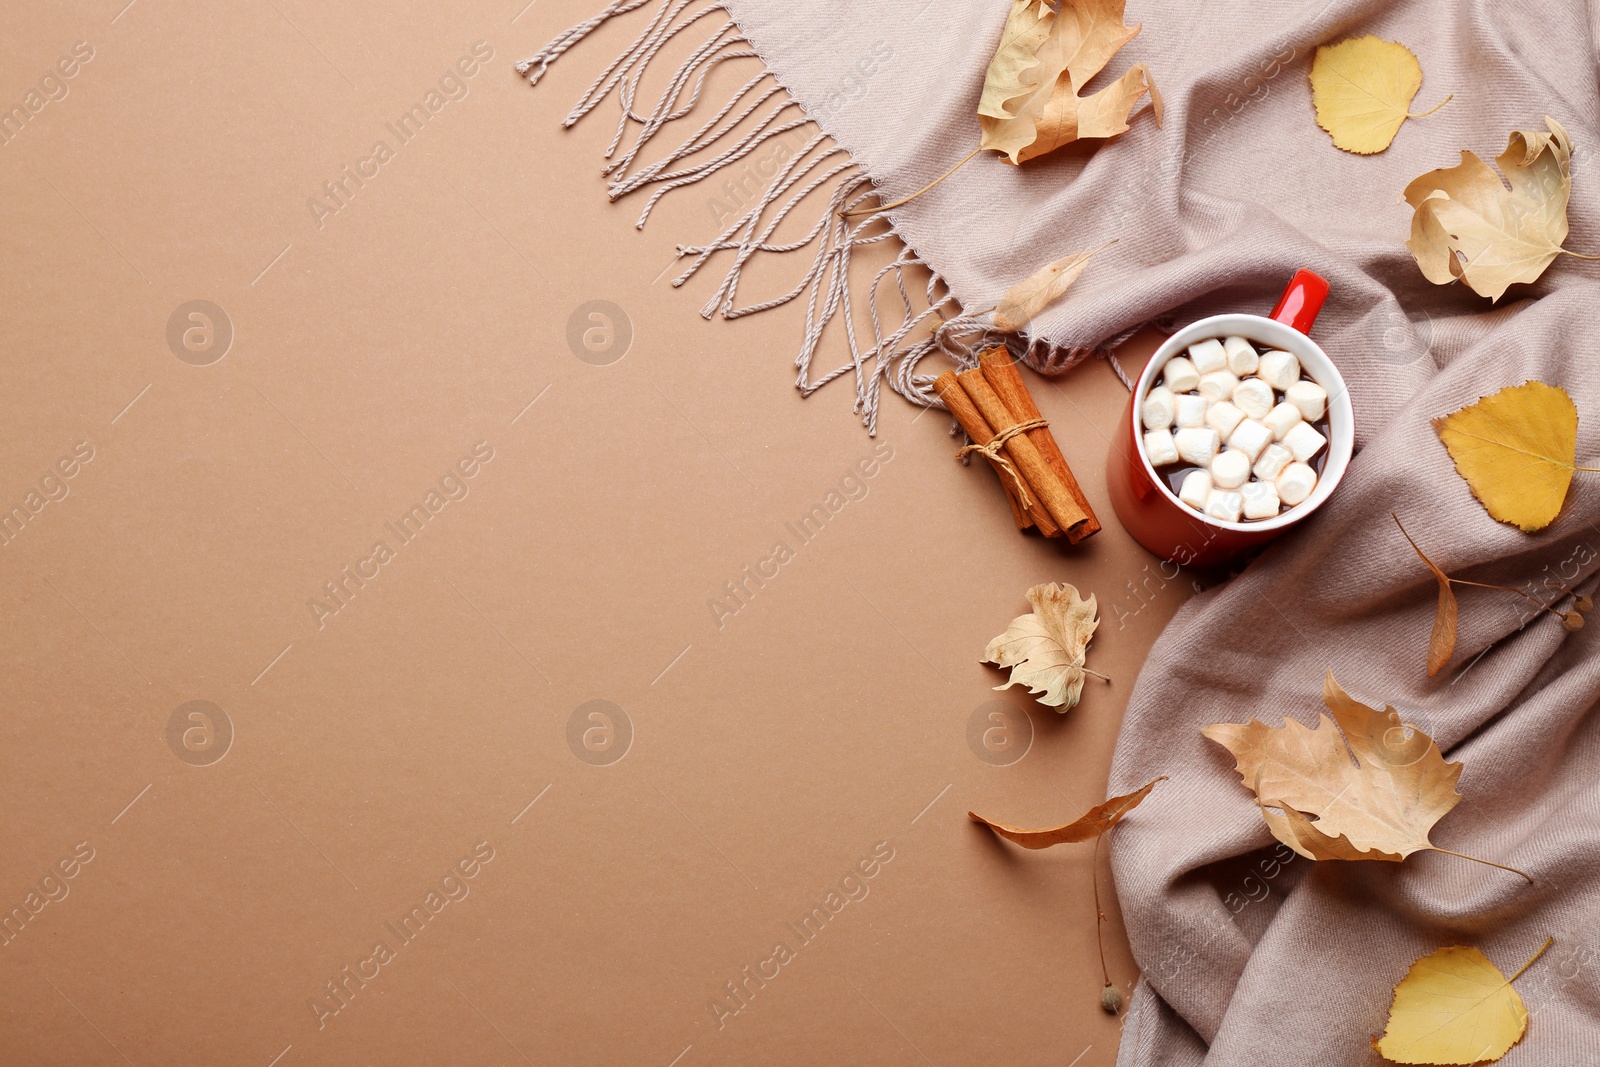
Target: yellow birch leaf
[(1096, 821), (1516, 451), (1454, 1007), (1362, 89), (1045, 648)]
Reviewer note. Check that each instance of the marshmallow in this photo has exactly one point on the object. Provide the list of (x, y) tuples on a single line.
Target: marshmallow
[(1223, 417), (1196, 487), (1280, 369), (1260, 500), (1160, 407), (1250, 438), (1254, 397), (1180, 375), (1304, 441), (1198, 444), (1296, 483), (1242, 357), (1208, 355), (1217, 385), (1224, 505), (1192, 410), (1230, 469), (1281, 419), (1309, 397), (1272, 462), (1160, 447)]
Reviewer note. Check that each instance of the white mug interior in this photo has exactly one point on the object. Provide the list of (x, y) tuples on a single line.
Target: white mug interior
[(1264, 333)]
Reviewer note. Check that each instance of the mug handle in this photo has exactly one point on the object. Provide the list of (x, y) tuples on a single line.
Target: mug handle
[(1301, 301)]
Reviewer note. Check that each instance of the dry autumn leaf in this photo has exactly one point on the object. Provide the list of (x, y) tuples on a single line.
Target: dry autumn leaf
[(1362, 89), (1096, 821), (1045, 648), (1516, 451), (1454, 1006), (1093, 824), (1376, 790), (1442, 641), (1468, 225), (1032, 102), (1036, 292)]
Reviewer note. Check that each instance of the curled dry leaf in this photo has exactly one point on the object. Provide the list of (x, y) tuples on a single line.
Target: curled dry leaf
[(1041, 288), (1032, 99), (1516, 451), (1442, 642), (1362, 89), (1468, 225), (1376, 791), (1095, 822), (1045, 648), (1454, 1006)]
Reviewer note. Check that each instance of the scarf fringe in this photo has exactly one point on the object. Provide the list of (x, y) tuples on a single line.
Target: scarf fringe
[(890, 353)]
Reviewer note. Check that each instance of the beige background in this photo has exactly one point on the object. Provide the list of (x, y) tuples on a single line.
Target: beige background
[(374, 751)]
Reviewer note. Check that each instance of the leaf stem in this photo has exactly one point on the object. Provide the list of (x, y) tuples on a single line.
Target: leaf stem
[(1542, 606), (1431, 565), (1431, 110), (1491, 863), (1099, 916), (1548, 941), (1578, 255), (919, 192), (1097, 674)]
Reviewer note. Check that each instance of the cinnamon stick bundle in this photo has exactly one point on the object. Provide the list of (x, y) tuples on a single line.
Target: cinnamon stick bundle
[(1006, 380), (992, 403), (978, 429)]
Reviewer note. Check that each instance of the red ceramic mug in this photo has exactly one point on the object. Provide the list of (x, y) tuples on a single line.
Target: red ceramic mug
[(1152, 512)]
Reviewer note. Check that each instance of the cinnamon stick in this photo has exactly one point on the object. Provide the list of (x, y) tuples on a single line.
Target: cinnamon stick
[(955, 398), (1002, 375), (1043, 483)]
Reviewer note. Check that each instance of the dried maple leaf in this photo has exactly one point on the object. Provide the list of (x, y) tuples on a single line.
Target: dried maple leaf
[(1362, 88), (1036, 292), (1516, 451), (1454, 1006), (1376, 790), (1096, 821), (1045, 648), (1032, 102), (1442, 641), (1469, 226)]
